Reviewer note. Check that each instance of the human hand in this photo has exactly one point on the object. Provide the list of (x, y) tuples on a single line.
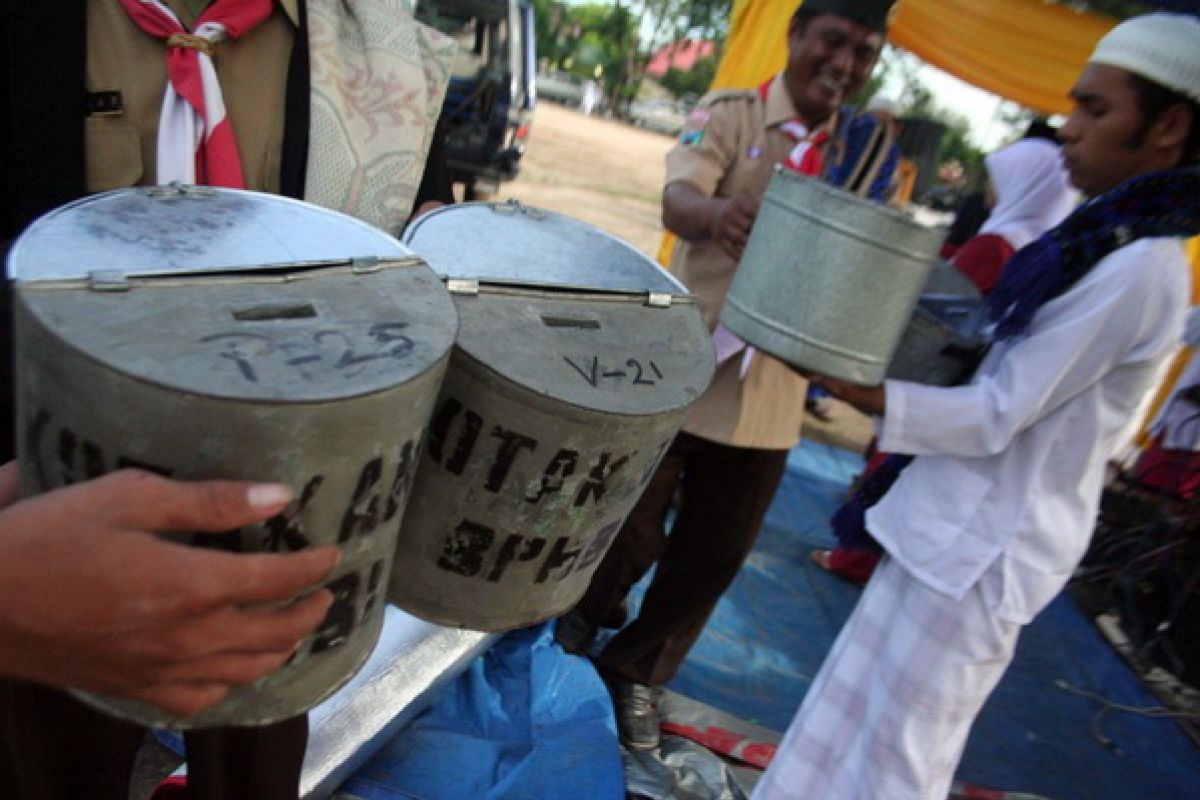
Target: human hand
[(9, 491), (732, 223), (91, 599), (867, 399)]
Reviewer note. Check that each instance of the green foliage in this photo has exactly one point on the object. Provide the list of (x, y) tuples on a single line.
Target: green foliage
[(618, 37), (956, 145), (694, 81)]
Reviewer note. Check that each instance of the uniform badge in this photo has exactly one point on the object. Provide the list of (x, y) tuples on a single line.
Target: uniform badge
[(754, 152), (691, 137)]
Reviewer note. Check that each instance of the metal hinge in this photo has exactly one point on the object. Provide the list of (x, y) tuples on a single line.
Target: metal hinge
[(362, 265), (658, 299), (108, 280), (462, 286)]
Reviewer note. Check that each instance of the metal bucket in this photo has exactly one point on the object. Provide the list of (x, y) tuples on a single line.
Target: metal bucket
[(942, 343), (828, 280), (204, 333), (576, 359), (944, 339)]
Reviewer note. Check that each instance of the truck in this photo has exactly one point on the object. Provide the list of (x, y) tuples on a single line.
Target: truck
[(490, 100)]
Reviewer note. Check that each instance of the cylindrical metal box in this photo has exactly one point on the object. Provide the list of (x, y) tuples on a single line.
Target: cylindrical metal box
[(203, 333), (945, 339), (828, 280), (576, 359)]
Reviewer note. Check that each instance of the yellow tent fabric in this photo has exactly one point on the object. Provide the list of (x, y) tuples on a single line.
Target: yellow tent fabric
[(1028, 51), (1025, 50), (1181, 360)]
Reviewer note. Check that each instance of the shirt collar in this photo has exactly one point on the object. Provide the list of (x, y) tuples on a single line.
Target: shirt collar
[(779, 107), (292, 9)]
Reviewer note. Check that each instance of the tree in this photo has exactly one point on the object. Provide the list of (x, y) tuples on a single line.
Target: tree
[(694, 81)]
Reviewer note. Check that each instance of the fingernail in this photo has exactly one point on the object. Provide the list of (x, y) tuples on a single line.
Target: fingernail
[(264, 495)]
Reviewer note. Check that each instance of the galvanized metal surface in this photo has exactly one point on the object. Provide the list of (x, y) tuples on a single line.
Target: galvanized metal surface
[(310, 336), (828, 281), (411, 663), (942, 343), (516, 500), (556, 408), (510, 243), (206, 378), (189, 229)]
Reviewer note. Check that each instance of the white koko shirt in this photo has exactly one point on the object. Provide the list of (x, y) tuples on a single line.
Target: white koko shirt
[(1012, 465)]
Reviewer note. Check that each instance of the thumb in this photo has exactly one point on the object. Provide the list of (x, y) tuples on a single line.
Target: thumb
[(9, 491)]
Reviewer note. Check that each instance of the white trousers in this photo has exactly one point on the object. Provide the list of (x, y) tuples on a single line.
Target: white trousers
[(888, 714)]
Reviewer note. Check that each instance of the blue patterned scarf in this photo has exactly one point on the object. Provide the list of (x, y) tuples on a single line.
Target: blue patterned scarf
[(1158, 204)]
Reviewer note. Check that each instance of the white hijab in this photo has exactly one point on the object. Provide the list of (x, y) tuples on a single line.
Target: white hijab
[(1033, 193)]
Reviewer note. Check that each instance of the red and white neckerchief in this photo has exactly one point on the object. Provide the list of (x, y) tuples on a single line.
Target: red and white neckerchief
[(805, 158), (195, 140)]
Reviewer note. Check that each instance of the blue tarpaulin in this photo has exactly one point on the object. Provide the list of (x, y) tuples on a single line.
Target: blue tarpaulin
[(525, 721), (770, 632), (529, 722)]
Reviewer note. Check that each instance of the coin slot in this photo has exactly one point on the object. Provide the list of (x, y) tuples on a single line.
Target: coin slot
[(571, 322), (272, 311)]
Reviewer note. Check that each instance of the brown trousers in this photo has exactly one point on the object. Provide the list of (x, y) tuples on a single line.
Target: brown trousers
[(54, 747), (725, 494)]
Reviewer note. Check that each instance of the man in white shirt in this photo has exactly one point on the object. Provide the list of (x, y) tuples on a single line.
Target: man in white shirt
[(986, 524)]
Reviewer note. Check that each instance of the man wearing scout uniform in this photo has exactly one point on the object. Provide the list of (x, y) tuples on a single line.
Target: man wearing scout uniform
[(731, 454), (285, 109)]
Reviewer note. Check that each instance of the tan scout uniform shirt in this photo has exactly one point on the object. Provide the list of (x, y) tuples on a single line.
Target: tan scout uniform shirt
[(120, 148), (730, 145), (377, 81)]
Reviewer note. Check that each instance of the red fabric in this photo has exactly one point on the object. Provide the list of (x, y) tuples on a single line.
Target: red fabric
[(982, 259), (726, 742), (1172, 472), (805, 157), (217, 161), (173, 787), (855, 566)]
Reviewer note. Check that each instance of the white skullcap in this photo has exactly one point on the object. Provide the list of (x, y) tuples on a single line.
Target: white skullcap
[(1163, 48)]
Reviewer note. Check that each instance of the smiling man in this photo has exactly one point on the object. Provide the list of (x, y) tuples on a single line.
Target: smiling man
[(986, 524), (731, 454)]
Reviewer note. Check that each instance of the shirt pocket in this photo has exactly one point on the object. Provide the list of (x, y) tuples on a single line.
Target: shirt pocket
[(112, 153), (944, 497)]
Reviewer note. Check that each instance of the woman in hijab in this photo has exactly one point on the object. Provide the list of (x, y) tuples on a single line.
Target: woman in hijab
[(1031, 196)]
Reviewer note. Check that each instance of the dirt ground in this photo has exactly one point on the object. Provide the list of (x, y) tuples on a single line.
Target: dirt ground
[(598, 170)]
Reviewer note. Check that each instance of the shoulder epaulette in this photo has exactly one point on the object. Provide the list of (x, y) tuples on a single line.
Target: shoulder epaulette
[(727, 95)]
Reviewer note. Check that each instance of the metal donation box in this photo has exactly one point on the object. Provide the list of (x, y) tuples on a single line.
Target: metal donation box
[(828, 280), (214, 333), (576, 359)]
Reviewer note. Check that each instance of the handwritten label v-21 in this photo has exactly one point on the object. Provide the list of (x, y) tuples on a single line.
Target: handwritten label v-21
[(593, 371)]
